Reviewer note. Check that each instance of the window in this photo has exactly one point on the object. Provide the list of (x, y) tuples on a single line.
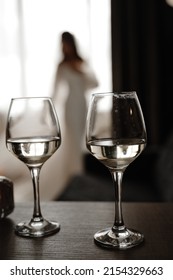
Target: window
[(29, 48)]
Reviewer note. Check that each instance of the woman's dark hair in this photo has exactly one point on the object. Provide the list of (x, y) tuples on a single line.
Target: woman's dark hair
[(68, 38)]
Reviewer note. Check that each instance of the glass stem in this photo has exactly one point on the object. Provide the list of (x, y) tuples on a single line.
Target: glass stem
[(37, 216), (117, 179)]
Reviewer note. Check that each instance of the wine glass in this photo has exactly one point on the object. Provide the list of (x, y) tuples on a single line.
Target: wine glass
[(116, 135), (33, 135)]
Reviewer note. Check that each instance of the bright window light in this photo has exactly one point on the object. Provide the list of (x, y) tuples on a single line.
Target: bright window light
[(30, 43)]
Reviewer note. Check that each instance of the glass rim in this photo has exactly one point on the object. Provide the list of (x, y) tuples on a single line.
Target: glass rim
[(114, 93), (31, 97)]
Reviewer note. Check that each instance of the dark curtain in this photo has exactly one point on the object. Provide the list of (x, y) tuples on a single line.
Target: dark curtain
[(142, 60)]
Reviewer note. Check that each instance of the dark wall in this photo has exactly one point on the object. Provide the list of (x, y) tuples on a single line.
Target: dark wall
[(142, 60)]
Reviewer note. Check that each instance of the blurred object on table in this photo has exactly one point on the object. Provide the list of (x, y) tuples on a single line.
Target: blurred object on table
[(6, 197)]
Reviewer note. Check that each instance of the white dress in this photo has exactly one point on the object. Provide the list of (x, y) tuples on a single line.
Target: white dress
[(71, 103)]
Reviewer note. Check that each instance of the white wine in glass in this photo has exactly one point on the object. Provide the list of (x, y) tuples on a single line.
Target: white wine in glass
[(33, 136), (116, 136)]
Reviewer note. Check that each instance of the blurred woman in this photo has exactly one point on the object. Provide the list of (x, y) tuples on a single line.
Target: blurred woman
[(78, 77)]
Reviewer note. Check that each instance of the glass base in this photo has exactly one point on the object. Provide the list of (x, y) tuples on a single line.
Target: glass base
[(118, 238), (37, 228)]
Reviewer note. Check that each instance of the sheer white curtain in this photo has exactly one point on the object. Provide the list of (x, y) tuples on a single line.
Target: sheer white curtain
[(30, 49), (10, 71)]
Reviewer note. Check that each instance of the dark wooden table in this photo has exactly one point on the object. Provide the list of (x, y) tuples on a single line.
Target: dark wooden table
[(79, 221)]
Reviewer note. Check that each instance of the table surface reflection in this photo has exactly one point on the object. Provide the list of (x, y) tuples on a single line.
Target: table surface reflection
[(79, 221)]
